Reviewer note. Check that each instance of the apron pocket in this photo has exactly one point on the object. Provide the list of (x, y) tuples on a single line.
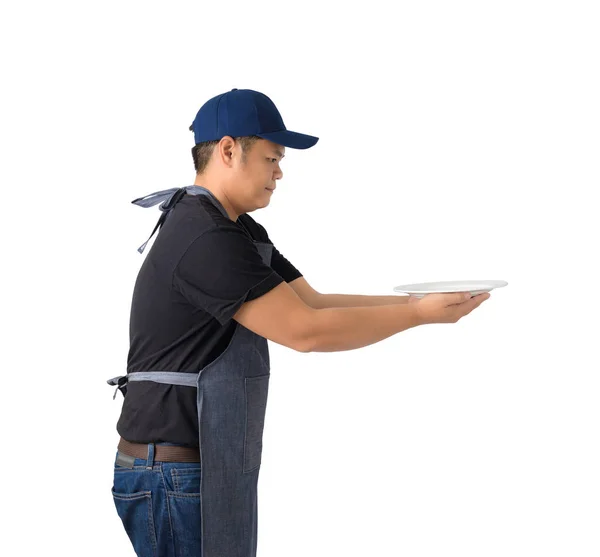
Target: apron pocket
[(135, 511), (256, 404)]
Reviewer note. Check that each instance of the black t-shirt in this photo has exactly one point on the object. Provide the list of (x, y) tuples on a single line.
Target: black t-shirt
[(199, 271)]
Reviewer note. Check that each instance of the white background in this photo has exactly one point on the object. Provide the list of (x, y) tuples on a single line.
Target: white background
[(458, 140)]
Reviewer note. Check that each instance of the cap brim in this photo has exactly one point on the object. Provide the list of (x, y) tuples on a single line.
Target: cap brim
[(293, 140)]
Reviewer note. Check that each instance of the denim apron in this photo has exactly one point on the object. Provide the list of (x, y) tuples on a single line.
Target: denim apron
[(231, 402)]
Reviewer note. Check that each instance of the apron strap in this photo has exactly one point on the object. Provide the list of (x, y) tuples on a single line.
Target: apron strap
[(168, 198), (167, 377)]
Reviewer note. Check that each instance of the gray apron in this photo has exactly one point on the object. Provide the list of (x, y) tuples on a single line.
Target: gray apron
[(231, 401)]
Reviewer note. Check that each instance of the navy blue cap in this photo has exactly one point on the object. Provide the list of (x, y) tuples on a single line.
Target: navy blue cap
[(243, 112)]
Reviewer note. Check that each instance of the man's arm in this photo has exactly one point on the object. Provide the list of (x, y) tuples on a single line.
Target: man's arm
[(280, 315), (317, 300), (357, 300)]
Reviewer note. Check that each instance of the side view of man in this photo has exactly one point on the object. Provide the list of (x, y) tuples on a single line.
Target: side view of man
[(211, 291)]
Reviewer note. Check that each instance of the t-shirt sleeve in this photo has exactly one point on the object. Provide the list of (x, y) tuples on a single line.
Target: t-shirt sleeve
[(279, 263), (221, 270), (283, 267)]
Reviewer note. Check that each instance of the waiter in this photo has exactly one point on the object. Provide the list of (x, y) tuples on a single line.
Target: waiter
[(210, 292)]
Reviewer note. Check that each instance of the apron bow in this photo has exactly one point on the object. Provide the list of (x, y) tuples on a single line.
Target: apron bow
[(120, 382), (168, 198)]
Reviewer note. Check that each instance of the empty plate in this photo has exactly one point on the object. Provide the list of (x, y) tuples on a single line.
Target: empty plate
[(420, 289)]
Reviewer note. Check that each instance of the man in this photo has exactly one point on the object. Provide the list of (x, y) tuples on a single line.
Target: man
[(211, 291)]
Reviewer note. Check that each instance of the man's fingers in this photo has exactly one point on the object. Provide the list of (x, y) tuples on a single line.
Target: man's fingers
[(480, 298), (455, 298)]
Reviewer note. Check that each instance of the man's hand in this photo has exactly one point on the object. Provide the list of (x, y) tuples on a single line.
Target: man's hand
[(449, 307)]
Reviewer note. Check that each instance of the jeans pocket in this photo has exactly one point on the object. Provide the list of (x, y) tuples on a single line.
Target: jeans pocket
[(257, 389), (135, 511), (184, 509)]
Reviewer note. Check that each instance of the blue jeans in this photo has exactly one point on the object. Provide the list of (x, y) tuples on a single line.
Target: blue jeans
[(159, 505)]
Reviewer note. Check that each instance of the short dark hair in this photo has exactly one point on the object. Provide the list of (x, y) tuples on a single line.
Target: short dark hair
[(201, 152)]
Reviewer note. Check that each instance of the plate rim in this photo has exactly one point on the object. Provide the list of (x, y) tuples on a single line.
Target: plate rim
[(476, 285)]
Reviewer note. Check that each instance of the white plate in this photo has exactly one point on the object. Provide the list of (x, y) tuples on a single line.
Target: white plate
[(475, 287)]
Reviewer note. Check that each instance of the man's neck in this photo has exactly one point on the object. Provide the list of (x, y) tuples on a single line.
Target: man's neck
[(231, 213)]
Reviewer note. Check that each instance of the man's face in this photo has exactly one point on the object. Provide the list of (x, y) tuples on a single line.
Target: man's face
[(258, 174)]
